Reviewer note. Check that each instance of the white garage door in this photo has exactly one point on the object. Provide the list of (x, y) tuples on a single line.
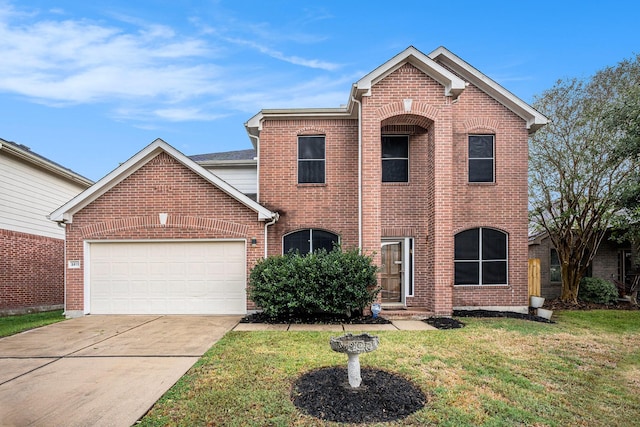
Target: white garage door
[(175, 277)]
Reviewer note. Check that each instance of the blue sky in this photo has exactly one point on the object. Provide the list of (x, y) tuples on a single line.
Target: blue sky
[(89, 83)]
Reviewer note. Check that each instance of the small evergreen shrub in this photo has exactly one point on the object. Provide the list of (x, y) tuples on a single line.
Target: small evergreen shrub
[(334, 282), (597, 290)]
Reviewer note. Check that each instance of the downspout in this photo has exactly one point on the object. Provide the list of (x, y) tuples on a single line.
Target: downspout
[(266, 225), (64, 271), (359, 171), (257, 138)]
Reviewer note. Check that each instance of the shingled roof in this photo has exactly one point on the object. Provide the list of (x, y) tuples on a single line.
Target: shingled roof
[(25, 153), (249, 154)]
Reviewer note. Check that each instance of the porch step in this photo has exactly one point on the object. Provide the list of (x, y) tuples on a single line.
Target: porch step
[(408, 313)]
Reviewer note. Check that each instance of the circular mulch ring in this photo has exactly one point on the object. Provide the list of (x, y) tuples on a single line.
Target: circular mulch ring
[(383, 396)]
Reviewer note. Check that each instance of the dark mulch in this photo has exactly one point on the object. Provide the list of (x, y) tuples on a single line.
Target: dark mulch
[(383, 396), (316, 318), (509, 314), (444, 323), (556, 304)]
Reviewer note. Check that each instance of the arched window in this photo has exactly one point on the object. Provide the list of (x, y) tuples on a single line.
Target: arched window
[(308, 240), (481, 257)]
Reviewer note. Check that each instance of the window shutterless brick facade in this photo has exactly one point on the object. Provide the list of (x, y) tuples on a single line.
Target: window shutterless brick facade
[(438, 200)]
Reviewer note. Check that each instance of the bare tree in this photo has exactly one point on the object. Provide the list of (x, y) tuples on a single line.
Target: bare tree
[(575, 167)]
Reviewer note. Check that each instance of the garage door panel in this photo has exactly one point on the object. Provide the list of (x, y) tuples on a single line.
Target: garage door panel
[(167, 278)]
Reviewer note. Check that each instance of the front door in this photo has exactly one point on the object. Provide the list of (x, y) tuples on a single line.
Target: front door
[(392, 272)]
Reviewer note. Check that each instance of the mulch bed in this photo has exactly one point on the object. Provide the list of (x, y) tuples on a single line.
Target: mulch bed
[(509, 314), (556, 304), (316, 318), (444, 323), (383, 396)]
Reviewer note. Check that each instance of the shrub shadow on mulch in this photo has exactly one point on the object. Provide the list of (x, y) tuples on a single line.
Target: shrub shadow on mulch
[(383, 396)]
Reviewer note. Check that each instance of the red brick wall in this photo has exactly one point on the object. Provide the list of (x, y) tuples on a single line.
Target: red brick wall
[(196, 209), (437, 202), (31, 272), (501, 205), (421, 207), (332, 206)]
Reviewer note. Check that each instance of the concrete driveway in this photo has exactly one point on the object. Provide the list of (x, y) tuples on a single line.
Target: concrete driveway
[(99, 370)]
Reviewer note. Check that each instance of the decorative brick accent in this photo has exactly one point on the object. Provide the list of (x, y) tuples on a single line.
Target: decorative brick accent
[(31, 273)]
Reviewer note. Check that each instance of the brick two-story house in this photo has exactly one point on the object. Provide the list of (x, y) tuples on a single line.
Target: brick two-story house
[(425, 168)]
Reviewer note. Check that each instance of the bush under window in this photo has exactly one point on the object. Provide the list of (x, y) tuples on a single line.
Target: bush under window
[(292, 285), (600, 291)]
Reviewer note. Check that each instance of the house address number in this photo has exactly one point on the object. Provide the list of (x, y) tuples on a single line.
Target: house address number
[(74, 264)]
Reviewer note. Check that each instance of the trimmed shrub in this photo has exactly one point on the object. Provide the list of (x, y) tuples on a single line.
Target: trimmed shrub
[(600, 291), (329, 282)]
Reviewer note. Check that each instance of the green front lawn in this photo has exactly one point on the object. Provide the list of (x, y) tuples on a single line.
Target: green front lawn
[(582, 371), (10, 325)]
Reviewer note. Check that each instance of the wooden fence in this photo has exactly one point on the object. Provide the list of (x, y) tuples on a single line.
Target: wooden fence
[(534, 277)]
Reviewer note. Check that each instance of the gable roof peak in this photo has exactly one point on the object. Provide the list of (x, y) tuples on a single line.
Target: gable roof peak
[(534, 119), (453, 85), (65, 212)]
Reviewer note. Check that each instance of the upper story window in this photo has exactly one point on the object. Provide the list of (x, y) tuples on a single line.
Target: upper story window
[(481, 158), (309, 240), (480, 257), (311, 159), (395, 158)]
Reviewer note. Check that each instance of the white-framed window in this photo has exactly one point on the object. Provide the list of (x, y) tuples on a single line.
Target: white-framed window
[(395, 158), (309, 240), (481, 158), (481, 257), (311, 159)]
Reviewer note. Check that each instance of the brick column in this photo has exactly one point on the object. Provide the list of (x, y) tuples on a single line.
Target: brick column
[(442, 219)]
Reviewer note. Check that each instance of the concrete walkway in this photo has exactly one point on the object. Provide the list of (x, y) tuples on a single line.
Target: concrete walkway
[(396, 325), (99, 370)]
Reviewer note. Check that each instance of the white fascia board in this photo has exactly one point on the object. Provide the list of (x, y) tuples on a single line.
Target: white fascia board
[(43, 163), (254, 125), (534, 119), (453, 85), (65, 212)]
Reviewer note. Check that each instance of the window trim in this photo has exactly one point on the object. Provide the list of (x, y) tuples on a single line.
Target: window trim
[(310, 230), (493, 159), (382, 159), (323, 159), (480, 259)]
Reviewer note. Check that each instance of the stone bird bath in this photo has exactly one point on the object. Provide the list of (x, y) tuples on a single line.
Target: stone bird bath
[(353, 345)]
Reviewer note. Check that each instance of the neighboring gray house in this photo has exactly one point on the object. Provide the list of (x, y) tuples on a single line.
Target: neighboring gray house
[(32, 246), (612, 262)]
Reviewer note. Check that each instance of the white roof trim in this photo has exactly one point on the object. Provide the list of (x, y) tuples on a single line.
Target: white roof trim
[(44, 163), (66, 211), (535, 120), (453, 85)]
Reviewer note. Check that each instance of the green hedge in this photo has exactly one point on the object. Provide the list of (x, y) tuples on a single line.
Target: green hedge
[(593, 289), (329, 282)]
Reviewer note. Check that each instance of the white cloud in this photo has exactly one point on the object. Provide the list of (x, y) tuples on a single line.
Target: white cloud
[(151, 72), (296, 60)]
